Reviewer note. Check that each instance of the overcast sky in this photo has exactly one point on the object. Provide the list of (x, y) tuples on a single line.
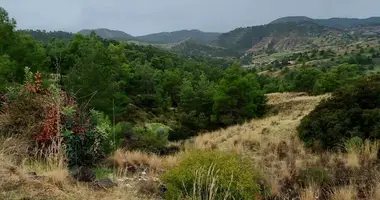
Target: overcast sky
[(138, 17)]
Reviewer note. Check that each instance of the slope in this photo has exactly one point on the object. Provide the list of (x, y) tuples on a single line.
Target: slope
[(178, 36), (191, 47), (242, 39)]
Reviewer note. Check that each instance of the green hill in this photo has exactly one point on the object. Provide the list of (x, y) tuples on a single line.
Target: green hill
[(109, 34), (193, 47), (178, 36)]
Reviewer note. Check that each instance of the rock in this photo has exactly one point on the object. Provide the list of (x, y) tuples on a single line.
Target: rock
[(162, 188), (104, 183), (83, 174), (31, 174)]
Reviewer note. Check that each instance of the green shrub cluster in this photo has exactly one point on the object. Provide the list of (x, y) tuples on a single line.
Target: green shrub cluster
[(314, 176), (202, 174), (87, 136), (351, 112), (151, 137)]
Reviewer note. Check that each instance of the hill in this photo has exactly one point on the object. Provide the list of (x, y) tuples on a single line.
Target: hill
[(109, 34), (340, 23), (155, 38), (292, 19), (178, 36), (243, 39), (191, 47)]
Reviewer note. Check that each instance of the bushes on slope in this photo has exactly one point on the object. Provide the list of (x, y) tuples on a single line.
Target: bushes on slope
[(351, 112)]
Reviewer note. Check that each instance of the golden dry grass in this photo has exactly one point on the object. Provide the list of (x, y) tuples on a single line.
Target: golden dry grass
[(270, 142), (137, 159), (344, 193), (55, 182)]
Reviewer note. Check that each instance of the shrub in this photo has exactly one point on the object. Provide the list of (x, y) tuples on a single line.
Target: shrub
[(151, 137), (354, 144), (351, 112), (212, 175), (86, 136), (31, 110), (315, 175)]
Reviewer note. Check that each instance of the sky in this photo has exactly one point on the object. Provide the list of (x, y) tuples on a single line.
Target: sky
[(140, 17)]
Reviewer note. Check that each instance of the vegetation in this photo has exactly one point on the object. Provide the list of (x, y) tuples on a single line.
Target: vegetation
[(351, 112), (187, 127), (212, 175)]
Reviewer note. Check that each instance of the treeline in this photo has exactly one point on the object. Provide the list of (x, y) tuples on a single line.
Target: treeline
[(135, 84)]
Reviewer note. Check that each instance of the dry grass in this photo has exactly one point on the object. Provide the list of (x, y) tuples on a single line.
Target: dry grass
[(270, 142), (53, 182), (344, 193), (151, 163), (273, 145), (310, 193)]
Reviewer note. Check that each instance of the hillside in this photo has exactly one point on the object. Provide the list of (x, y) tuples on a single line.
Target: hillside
[(109, 34), (339, 23), (242, 39), (192, 47), (268, 133), (178, 36)]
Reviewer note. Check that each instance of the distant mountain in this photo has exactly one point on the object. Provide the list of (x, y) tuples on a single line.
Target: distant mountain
[(178, 36), (243, 39), (296, 19), (109, 34), (340, 23)]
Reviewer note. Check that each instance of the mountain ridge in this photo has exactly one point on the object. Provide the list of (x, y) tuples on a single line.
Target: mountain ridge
[(334, 22)]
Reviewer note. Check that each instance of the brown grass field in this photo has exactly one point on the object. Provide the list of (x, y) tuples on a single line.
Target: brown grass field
[(271, 143)]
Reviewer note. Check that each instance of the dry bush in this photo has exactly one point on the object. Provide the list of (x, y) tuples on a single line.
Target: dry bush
[(310, 193), (131, 161), (344, 193)]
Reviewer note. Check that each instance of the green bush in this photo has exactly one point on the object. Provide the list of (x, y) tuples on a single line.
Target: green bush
[(151, 137), (201, 174), (315, 175), (351, 112), (354, 144), (86, 136)]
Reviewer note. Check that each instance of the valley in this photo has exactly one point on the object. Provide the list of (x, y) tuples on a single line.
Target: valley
[(285, 110)]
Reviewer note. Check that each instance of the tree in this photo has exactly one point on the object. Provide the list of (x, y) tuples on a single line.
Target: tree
[(305, 79), (92, 78), (7, 31), (237, 97)]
